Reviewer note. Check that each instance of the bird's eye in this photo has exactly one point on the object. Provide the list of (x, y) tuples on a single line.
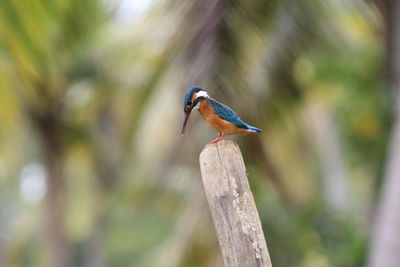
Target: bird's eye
[(187, 108)]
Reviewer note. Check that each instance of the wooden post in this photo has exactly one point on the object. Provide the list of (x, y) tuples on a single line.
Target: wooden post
[(232, 206)]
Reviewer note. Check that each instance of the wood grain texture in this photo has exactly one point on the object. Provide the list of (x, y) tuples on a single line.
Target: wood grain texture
[(232, 206)]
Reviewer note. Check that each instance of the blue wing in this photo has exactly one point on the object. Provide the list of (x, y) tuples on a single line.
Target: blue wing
[(225, 113)]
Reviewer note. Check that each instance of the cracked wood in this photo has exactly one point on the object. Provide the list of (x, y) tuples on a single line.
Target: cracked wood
[(232, 206)]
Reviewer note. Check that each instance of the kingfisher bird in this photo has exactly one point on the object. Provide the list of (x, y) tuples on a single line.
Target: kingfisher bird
[(217, 115)]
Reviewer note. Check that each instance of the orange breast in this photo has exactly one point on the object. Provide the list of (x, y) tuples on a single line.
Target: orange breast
[(222, 126)]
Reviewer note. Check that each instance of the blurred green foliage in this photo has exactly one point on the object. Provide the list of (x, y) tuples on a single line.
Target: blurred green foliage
[(90, 107)]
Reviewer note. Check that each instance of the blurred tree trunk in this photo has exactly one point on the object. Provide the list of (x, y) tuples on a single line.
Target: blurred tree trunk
[(385, 241), (266, 162), (2, 239), (95, 250), (327, 142), (109, 160), (178, 246), (56, 242)]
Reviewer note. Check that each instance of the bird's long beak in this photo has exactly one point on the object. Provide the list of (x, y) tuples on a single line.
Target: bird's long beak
[(185, 120)]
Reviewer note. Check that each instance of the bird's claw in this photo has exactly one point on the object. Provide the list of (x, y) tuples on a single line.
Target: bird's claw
[(217, 139)]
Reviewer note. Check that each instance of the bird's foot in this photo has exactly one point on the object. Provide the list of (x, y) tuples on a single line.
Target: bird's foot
[(219, 138)]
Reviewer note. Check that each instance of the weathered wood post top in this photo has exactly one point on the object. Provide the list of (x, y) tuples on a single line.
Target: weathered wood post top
[(232, 206)]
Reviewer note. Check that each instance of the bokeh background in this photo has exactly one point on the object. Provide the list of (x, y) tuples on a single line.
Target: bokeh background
[(94, 172)]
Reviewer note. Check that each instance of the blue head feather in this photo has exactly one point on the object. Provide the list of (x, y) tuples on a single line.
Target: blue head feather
[(187, 100)]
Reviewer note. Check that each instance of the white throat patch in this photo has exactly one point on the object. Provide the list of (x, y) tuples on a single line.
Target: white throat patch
[(201, 93)]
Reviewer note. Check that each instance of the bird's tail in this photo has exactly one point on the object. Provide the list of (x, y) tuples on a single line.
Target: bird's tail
[(253, 129)]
